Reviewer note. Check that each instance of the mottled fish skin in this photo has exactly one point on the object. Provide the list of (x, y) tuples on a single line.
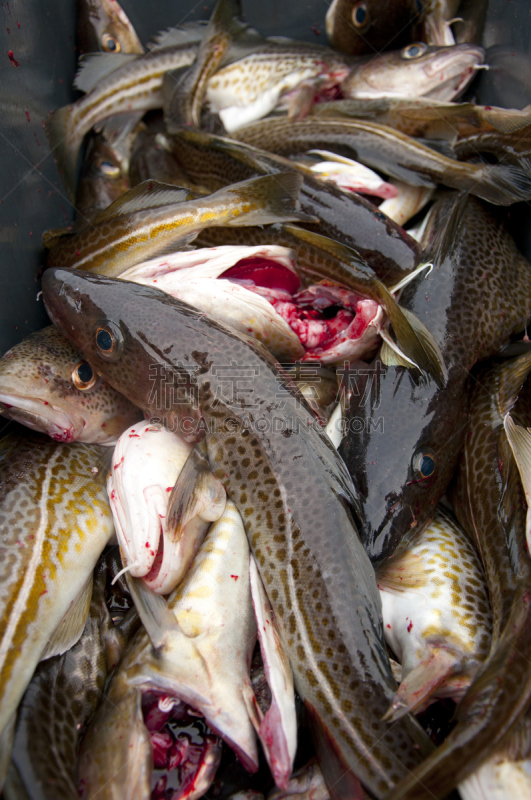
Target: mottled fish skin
[(489, 501), (214, 161), (476, 296), (55, 521), (103, 25), (391, 152), (155, 218), (37, 389), (436, 614), (308, 582), (62, 696), (357, 28)]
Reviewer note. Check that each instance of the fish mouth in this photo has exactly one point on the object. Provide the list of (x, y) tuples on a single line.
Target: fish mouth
[(39, 415), (381, 543), (451, 72)]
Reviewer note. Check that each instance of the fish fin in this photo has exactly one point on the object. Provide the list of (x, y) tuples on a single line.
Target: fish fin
[(301, 101), (520, 441), (503, 184), (494, 702), (275, 198), (402, 573), (148, 194), (65, 152), (54, 236), (117, 128), (391, 355), (427, 267), (153, 611), (340, 781), (94, 67), (71, 626), (420, 684), (514, 377), (196, 493), (189, 33), (508, 120)]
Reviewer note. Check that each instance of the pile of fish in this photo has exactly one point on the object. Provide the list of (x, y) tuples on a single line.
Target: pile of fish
[(269, 535)]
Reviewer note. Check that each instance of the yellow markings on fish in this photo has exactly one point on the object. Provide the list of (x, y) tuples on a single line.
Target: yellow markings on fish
[(190, 622)]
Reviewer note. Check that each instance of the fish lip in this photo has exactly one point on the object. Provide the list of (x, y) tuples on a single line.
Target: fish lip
[(459, 66), (42, 416)]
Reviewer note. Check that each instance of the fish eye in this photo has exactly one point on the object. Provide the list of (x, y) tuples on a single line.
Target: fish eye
[(424, 464), (83, 377), (360, 15), (414, 50), (110, 43), (420, 7), (109, 341), (109, 169)]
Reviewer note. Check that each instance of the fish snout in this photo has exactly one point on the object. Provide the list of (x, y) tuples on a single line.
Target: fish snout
[(381, 541)]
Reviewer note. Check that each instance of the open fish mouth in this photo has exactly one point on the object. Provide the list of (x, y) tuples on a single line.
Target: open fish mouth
[(453, 74), (42, 416)]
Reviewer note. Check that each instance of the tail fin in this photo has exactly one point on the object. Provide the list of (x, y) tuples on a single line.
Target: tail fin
[(493, 704), (502, 184), (270, 199), (64, 146)]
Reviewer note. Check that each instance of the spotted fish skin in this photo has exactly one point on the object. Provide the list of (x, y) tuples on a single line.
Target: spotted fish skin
[(37, 389), (323, 595), (436, 612), (476, 296), (54, 523)]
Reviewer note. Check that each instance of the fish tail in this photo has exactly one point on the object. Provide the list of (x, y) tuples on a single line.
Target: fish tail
[(502, 184), (271, 198), (64, 146), (415, 340), (494, 703)]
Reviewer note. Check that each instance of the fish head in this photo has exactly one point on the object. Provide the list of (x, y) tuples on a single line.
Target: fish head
[(104, 26), (47, 385), (440, 73), (115, 324), (398, 452), (102, 179), (363, 26)]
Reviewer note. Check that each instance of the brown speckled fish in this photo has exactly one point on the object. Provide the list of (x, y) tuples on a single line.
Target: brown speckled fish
[(55, 521), (48, 386), (292, 491), (488, 499)]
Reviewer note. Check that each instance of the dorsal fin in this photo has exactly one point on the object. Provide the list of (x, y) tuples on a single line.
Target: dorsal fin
[(189, 33), (93, 67), (148, 194)]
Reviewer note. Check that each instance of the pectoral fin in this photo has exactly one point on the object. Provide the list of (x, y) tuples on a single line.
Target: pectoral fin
[(71, 626)]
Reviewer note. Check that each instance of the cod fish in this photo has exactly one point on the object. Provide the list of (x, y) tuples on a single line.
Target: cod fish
[(154, 218), (55, 522), (102, 25), (488, 498), (436, 614), (62, 696), (323, 593), (48, 386), (476, 296), (102, 180), (146, 463), (205, 637), (392, 152)]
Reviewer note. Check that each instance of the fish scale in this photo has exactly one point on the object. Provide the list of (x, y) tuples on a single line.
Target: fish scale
[(54, 523), (317, 576)]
